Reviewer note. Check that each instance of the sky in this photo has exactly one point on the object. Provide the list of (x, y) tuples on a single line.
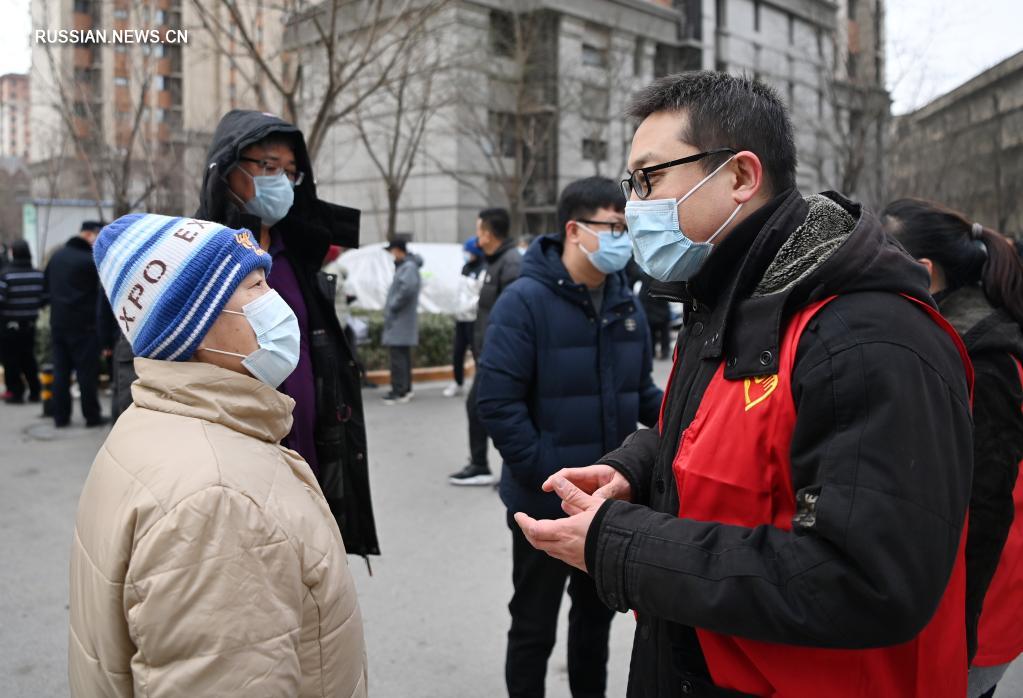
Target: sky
[(933, 45)]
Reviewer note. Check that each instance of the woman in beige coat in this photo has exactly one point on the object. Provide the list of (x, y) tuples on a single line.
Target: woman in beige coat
[(205, 559)]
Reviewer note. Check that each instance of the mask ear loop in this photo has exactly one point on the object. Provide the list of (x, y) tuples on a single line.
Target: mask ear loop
[(700, 184), (227, 185), (220, 351)]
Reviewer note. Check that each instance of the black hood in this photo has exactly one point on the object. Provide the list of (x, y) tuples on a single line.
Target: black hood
[(311, 225), (983, 328)]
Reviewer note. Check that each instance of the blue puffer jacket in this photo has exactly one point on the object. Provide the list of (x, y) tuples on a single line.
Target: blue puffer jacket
[(559, 385)]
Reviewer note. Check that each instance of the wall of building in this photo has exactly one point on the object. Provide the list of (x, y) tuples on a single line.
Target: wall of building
[(965, 148), (15, 120)]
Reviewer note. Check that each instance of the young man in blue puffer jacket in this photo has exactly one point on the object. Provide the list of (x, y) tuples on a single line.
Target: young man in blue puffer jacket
[(565, 376)]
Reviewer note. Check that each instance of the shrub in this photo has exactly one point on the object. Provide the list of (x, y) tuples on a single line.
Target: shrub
[(436, 340)]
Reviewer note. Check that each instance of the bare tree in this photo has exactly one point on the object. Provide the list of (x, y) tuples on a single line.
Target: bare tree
[(508, 110), (120, 163), (393, 123), (355, 44)]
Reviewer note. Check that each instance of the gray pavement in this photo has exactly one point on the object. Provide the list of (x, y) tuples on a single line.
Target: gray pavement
[(435, 607)]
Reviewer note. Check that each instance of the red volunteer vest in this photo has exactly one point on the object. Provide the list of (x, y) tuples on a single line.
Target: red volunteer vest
[(733, 467), (1000, 634)]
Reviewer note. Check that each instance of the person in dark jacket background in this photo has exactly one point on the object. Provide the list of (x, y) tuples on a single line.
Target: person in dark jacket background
[(73, 287), (977, 280), (566, 375), (795, 526), (493, 232), (657, 310), (401, 320), (465, 325), (22, 295), (259, 177)]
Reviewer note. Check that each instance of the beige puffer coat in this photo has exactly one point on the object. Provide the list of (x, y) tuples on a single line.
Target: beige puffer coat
[(205, 559)]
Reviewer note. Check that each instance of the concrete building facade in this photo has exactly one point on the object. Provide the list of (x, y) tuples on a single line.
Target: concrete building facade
[(965, 149), (15, 122), (825, 58)]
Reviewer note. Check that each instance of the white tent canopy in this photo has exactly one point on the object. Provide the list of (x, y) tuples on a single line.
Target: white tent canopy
[(371, 269)]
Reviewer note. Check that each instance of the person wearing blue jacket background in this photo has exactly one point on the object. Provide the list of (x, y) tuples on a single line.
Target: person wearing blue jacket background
[(565, 377)]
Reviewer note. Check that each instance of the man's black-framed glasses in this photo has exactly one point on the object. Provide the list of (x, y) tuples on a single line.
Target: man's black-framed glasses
[(639, 180), (272, 168), (616, 228)]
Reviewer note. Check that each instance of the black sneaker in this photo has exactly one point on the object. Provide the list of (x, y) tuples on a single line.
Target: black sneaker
[(101, 422), (472, 474), (391, 398)]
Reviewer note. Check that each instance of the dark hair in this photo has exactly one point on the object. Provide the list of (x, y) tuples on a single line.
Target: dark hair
[(496, 220), (583, 197), (968, 253), (20, 251), (726, 111), (279, 138), (90, 226)]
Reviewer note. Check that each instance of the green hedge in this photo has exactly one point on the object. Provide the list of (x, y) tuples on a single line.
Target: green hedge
[(436, 341), (43, 337)]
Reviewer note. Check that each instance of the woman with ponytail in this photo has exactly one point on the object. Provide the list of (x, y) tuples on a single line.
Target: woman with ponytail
[(977, 281)]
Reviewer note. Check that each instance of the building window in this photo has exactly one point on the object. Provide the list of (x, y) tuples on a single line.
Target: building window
[(756, 15), (722, 14), (721, 66), (120, 14), (792, 95), (502, 132), (594, 57), (121, 81), (595, 150), (851, 6), (852, 65), (638, 51), (792, 30), (83, 6), (596, 102), (502, 33)]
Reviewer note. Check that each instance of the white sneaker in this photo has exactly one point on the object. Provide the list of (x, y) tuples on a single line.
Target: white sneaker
[(453, 390)]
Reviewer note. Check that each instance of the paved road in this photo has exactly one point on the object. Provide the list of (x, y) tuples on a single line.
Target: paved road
[(434, 607)]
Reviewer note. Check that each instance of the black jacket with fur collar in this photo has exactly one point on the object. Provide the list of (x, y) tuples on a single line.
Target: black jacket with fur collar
[(869, 568)]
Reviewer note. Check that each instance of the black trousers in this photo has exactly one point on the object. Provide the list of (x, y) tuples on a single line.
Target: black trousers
[(477, 432), (401, 369), (539, 582), (463, 343), (660, 333), (18, 344), (78, 352)]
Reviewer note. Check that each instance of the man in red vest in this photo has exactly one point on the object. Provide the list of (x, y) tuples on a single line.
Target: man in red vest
[(794, 526)]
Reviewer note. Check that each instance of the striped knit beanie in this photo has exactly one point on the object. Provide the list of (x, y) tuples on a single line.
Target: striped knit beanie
[(168, 278)]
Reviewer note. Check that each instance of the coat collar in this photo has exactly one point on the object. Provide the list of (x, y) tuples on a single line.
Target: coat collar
[(79, 244), (543, 263), (213, 394)]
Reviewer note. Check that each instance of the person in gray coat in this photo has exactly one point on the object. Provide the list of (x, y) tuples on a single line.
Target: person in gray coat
[(401, 323)]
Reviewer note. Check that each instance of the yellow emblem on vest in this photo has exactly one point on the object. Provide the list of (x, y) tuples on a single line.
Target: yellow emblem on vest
[(762, 387)]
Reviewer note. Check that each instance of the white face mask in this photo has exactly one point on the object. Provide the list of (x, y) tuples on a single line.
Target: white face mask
[(277, 332)]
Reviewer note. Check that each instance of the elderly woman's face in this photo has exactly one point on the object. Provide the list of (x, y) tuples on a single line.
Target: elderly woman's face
[(233, 333)]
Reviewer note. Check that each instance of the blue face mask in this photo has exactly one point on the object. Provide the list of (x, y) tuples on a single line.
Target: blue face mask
[(612, 253), (277, 333), (274, 196), (661, 249)]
